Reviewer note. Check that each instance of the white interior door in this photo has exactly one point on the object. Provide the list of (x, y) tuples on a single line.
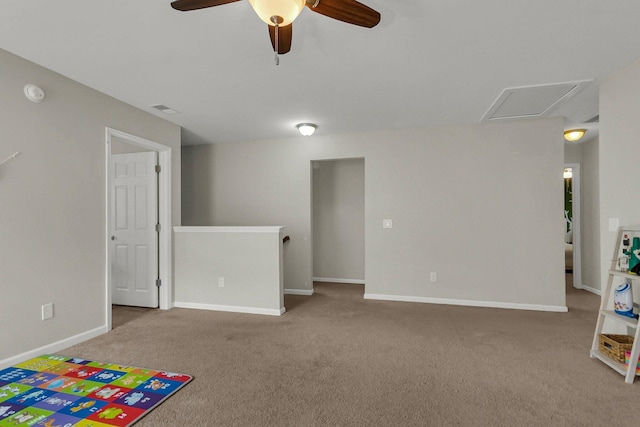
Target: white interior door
[(134, 238)]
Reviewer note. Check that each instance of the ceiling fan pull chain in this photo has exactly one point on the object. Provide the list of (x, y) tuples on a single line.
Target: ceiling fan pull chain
[(274, 19)]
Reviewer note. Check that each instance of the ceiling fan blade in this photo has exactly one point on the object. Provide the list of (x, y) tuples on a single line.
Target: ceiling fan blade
[(185, 5), (349, 11), (284, 38)]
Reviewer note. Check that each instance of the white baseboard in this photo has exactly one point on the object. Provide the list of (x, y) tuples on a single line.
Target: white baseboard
[(331, 280), (231, 308), (592, 290), (53, 347), (306, 292), (471, 303)]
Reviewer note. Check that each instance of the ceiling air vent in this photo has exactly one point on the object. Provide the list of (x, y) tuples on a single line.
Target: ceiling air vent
[(532, 101), (164, 109)]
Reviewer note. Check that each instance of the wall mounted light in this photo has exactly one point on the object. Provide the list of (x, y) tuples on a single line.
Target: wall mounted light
[(306, 129), (33, 93), (573, 135)]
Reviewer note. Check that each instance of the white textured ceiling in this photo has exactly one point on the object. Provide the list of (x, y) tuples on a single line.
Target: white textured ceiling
[(427, 63)]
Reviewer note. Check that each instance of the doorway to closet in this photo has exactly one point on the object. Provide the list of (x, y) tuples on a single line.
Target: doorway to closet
[(338, 221)]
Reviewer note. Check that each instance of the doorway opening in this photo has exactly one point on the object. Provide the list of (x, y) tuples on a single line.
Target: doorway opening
[(132, 143), (573, 263), (338, 221)]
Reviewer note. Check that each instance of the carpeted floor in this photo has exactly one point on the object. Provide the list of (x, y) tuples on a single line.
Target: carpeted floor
[(335, 359)]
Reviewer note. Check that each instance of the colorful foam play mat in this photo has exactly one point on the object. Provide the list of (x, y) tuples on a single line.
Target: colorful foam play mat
[(54, 391)]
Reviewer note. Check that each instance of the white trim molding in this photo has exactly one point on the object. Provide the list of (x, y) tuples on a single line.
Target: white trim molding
[(230, 308), (576, 227), (590, 289), (330, 280), (470, 303), (306, 292), (53, 347)]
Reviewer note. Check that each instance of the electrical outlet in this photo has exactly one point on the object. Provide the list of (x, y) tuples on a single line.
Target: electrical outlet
[(47, 311), (221, 282), (432, 276)]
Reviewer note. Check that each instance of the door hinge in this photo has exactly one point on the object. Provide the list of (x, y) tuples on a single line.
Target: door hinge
[(158, 168), (158, 282), (158, 228)]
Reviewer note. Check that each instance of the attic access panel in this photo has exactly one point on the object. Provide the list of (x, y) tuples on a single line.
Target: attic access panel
[(532, 101)]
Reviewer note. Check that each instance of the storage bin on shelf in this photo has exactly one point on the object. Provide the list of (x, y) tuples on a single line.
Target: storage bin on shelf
[(615, 346)]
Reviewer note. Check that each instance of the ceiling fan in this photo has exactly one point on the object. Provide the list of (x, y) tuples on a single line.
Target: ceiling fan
[(279, 14)]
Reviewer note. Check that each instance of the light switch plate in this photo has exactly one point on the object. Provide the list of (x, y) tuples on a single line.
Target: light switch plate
[(387, 223), (614, 223)]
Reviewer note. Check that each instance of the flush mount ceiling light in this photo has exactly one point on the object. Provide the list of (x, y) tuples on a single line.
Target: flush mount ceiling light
[(307, 129), (33, 93), (573, 135)]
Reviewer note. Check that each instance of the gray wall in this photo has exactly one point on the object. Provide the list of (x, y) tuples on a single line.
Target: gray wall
[(572, 152), (249, 261), (590, 215), (338, 219), (52, 209), (618, 154), (478, 204)]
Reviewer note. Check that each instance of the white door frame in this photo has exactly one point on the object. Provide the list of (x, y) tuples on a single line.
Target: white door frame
[(312, 219), (164, 217), (575, 204)]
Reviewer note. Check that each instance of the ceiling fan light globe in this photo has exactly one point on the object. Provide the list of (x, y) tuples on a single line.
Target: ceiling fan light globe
[(285, 10)]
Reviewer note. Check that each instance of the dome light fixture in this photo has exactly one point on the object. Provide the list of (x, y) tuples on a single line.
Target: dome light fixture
[(307, 129), (573, 135)]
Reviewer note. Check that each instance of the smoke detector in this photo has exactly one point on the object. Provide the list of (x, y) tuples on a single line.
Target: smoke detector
[(33, 93)]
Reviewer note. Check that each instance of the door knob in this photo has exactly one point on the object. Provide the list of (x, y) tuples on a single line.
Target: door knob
[(113, 237)]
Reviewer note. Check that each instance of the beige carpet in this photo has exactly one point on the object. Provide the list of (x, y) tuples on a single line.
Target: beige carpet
[(335, 359)]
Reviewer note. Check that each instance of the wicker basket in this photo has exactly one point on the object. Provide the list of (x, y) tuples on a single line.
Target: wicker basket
[(615, 346)]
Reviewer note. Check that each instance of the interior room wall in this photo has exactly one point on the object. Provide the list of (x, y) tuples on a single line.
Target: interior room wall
[(618, 161), (52, 213), (338, 219), (477, 204), (572, 152), (197, 181), (236, 269), (590, 215)]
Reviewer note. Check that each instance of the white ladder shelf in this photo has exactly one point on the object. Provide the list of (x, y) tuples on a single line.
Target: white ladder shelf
[(629, 371)]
